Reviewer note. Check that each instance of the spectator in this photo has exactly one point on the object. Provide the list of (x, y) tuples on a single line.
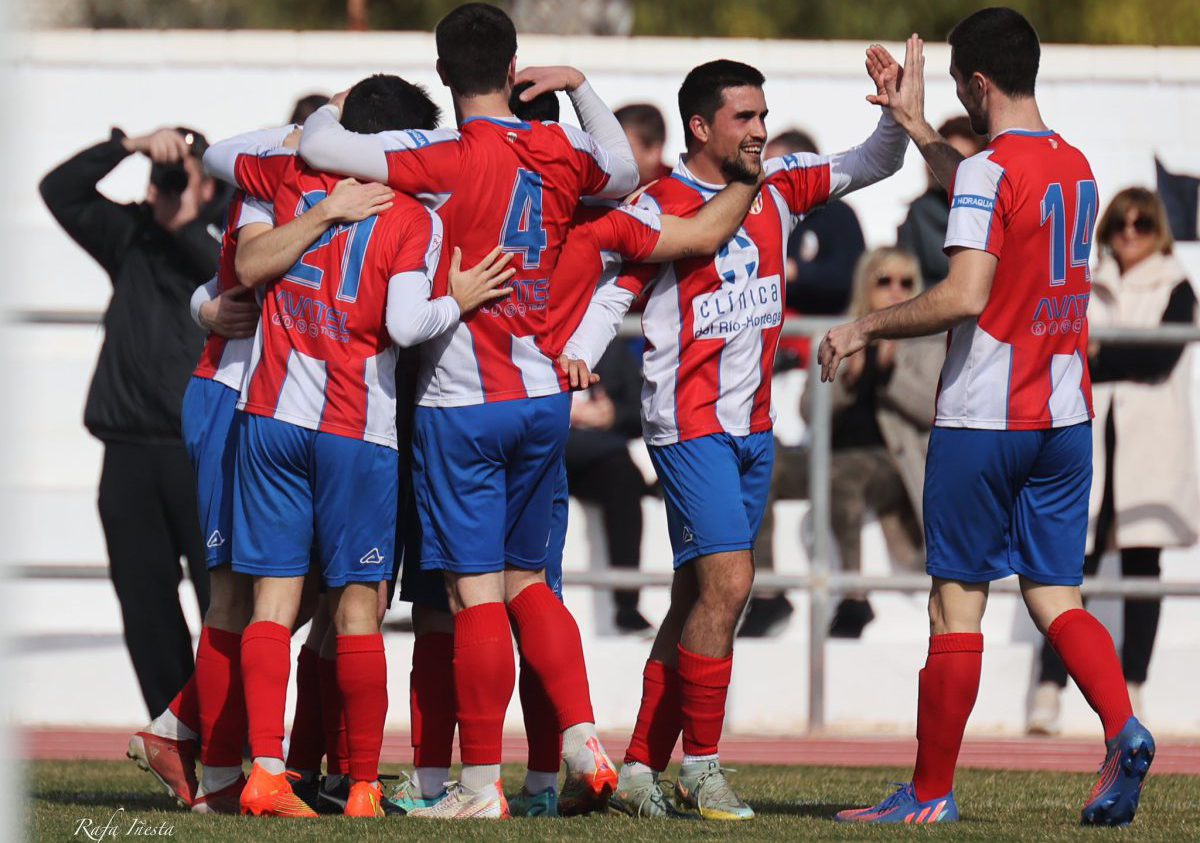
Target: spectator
[(156, 253), (1144, 493), (822, 252), (882, 412), (305, 106), (601, 471), (647, 133), (923, 231)]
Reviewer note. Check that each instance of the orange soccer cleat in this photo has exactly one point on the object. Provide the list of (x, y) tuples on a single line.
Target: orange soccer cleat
[(366, 800), (267, 795), (172, 762)]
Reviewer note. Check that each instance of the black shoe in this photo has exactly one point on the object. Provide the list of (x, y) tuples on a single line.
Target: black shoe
[(333, 799), (851, 618), (766, 617), (631, 622), (309, 790)]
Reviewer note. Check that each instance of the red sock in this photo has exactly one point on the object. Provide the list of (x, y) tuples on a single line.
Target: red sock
[(541, 724), (266, 664), (1087, 650), (946, 694), (186, 704), (660, 719), (703, 687), (306, 744), (362, 679), (549, 640), (484, 676), (221, 701), (333, 720), (431, 699)]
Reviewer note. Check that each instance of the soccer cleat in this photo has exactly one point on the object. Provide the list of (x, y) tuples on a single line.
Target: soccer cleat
[(642, 796), (1114, 798), (705, 789), (335, 791), (267, 795), (172, 762), (365, 800), (588, 790), (903, 807), (460, 804), (544, 803), (308, 789), (223, 801), (407, 796)]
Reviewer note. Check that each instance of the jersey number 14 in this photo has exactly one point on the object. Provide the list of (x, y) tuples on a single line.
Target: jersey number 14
[(1054, 211)]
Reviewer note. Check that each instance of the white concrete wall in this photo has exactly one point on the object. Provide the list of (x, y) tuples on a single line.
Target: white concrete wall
[(1120, 105)]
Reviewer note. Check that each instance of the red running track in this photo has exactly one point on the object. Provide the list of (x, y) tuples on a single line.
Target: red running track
[(1062, 754)]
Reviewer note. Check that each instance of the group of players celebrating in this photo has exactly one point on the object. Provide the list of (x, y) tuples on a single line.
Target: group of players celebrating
[(506, 254)]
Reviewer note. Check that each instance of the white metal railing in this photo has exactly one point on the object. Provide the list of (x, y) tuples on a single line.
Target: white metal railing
[(822, 583)]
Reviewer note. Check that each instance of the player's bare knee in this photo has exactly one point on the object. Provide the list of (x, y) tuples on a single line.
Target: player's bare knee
[(517, 580), (356, 609)]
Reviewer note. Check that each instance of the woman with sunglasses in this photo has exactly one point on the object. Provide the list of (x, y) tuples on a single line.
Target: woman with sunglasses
[(1144, 491), (882, 409)]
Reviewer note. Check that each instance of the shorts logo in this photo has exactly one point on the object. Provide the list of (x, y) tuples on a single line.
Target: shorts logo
[(373, 557), (688, 536), (215, 540)]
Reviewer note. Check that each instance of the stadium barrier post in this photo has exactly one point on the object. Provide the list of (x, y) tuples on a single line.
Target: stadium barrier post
[(821, 417)]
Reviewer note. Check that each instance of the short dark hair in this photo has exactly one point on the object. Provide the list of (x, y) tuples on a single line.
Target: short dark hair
[(960, 127), (386, 103), (542, 107), (645, 121), (796, 140), (475, 45), (305, 106), (703, 89), (1002, 45)]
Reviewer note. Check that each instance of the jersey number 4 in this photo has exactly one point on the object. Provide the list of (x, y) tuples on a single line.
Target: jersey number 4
[(523, 230), (307, 273), (1054, 211)]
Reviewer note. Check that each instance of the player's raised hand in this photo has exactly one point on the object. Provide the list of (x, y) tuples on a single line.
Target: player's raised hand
[(905, 90), (883, 69), (556, 78), (232, 314), (482, 283), (837, 345), (578, 375), (162, 146), (351, 201)]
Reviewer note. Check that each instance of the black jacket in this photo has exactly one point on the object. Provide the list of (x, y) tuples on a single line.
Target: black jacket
[(150, 344), (923, 233), (823, 284)]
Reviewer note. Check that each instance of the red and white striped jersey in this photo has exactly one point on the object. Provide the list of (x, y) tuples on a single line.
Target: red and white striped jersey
[(1030, 199), (224, 360), (507, 183), (323, 357)]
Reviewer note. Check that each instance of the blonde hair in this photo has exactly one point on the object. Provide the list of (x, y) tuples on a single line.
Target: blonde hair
[(1147, 204), (867, 270)]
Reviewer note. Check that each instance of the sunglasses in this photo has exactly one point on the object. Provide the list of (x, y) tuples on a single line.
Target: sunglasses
[(905, 282), (1142, 225)]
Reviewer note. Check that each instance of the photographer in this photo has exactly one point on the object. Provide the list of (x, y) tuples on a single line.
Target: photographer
[(155, 252)]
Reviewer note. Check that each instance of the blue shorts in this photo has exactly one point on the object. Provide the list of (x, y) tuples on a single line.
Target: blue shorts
[(716, 490), (210, 434), (1003, 502), (301, 493), (485, 478)]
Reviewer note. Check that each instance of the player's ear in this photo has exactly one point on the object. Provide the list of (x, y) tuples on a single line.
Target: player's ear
[(441, 72), (699, 128), (512, 71)]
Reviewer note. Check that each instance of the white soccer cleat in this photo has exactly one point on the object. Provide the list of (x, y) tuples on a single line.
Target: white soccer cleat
[(460, 804)]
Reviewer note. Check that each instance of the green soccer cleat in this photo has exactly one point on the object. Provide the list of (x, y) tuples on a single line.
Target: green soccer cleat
[(544, 803), (407, 796), (641, 796), (704, 788)]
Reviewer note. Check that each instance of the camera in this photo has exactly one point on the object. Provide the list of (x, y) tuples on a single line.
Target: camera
[(173, 178)]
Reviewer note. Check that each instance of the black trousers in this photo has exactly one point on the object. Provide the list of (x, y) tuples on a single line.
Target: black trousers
[(600, 471), (148, 510), (1140, 615)]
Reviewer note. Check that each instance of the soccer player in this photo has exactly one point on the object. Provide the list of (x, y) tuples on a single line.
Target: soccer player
[(492, 418), (1010, 455), (712, 327), (316, 462)]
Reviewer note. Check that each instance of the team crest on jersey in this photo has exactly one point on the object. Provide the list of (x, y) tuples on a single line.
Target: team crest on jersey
[(372, 557), (511, 137), (1053, 143), (757, 205)]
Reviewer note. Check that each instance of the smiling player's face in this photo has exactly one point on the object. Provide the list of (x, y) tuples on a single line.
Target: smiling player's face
[(738, 132)]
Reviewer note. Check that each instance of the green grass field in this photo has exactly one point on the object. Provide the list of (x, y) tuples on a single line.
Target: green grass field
[(793, 803)]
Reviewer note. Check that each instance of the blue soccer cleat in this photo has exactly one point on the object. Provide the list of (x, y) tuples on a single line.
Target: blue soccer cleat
[(903, 807), (1114, 799)]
